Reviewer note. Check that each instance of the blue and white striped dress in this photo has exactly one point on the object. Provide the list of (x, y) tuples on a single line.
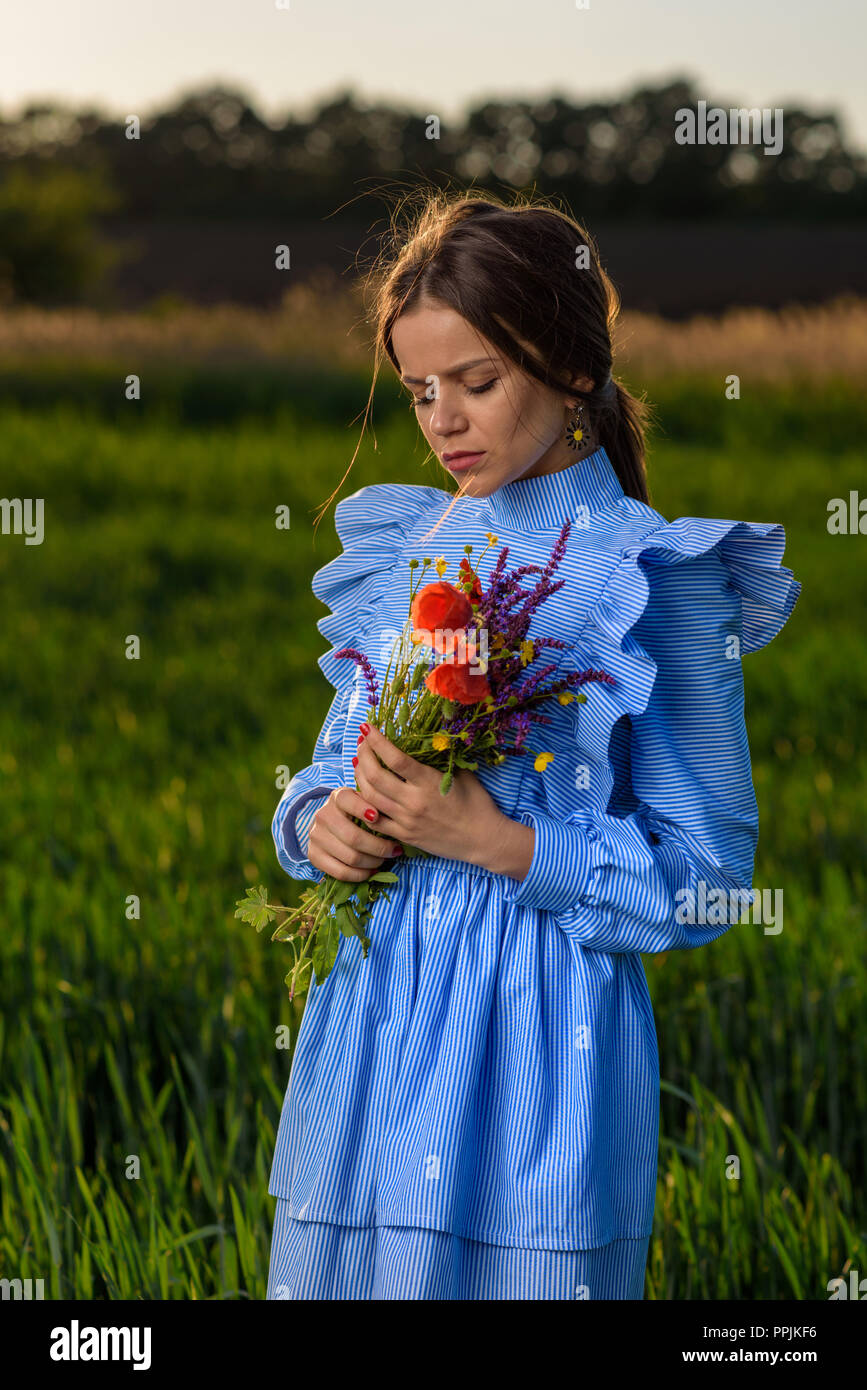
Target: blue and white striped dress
[(472, 1112)]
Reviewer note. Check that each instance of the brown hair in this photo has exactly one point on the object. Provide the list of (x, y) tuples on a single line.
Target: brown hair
[(509, 270)]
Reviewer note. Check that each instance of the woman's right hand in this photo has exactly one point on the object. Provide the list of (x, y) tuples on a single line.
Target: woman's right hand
[(339, 847)]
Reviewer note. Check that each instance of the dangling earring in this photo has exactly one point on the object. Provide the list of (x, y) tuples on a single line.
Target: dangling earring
[(575, 428)]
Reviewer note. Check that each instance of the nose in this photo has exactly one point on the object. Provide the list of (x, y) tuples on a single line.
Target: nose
[(446, 415)]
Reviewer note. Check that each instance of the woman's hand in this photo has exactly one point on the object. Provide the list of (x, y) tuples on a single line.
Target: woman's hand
[(339, 847), (464, 824)]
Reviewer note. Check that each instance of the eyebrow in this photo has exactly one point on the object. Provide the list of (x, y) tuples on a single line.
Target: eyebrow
[(455, 371)]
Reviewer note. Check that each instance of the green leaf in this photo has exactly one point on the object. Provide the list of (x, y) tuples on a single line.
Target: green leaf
[(384, 876), (325, 949), (254, 908), (343, 894), (357, 924), (347, 920)]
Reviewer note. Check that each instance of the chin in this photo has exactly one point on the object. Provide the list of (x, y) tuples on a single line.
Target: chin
[(473, 487), (477, 484)]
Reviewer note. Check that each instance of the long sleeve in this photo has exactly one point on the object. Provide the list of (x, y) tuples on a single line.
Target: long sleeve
[(307, 791), (676, 871)]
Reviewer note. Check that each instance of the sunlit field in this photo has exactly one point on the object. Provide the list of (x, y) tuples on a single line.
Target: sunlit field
[(323, 320), (141, 1083)]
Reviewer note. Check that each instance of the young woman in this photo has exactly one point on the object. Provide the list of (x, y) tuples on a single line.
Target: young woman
[(472, 1111)]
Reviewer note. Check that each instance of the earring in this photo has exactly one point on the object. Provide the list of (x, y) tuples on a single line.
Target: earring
[(575, 428)]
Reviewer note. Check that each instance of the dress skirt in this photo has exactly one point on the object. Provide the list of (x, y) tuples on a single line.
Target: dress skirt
[(322, 1260)]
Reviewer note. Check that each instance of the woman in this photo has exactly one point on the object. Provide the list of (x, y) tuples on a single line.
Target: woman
[(472, 1111)]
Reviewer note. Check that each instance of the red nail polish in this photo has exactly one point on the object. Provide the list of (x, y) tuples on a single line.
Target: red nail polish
[(398, 849), (365, 728), (370, 815), (360, 739), (355, 762)]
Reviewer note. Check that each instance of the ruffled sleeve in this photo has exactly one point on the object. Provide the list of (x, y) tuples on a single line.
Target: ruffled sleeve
[(673, 869), (373, 525)]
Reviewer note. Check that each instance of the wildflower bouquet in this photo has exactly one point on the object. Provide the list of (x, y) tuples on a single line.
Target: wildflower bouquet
[(470, 707)]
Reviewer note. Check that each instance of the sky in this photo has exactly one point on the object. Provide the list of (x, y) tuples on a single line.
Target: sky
[(438, 57)]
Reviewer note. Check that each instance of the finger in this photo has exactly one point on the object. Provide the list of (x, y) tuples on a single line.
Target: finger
[(375, 785), (348, 802), (325, 840), (400, 763), (329, 865)]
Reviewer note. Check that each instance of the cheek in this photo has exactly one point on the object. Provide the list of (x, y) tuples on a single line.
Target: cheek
[(537, 421), (509, 411), (424, 419)]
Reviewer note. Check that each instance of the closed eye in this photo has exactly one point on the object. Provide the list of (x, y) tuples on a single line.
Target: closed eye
[(471, 391)]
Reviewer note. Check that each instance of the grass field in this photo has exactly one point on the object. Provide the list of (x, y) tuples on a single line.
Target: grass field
[(141, 1084)]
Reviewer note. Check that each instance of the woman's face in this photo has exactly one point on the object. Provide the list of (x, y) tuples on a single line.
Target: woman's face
[(471, 400)]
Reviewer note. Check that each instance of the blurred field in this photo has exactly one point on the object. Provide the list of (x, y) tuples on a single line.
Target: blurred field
[(322, 320), (155, 777)]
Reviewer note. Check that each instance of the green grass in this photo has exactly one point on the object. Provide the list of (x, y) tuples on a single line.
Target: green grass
[(141, 1080)]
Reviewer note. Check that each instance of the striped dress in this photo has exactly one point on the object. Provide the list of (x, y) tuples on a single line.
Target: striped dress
[(472, 1112)]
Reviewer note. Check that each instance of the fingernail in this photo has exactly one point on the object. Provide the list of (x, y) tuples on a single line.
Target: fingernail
[(365, 728), (355, 762), (398, 849), (369, 814)]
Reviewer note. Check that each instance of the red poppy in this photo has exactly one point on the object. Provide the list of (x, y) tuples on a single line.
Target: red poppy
[(440, 610), (462, 684), (440, 605)]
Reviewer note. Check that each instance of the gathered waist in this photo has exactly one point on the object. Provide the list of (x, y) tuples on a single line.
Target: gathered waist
[(421, 864)]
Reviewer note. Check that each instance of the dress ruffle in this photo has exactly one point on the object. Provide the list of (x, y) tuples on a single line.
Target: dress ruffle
[(752, 554), (353, 583)]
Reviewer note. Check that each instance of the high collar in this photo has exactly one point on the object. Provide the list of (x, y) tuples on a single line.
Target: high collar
[(547, 499)]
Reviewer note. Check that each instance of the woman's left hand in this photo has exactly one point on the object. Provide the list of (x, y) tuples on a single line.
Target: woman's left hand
[(463, 824)]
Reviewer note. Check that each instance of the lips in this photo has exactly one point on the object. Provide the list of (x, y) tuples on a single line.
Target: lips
[(460, 461)]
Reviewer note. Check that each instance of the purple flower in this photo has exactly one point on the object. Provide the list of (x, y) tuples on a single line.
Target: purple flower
[(369, 674)]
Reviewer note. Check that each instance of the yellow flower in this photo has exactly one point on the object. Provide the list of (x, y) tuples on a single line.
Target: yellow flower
[(527, 651), (565, 697), (442, 565), (492, 540), (440, 742), (542, 761)]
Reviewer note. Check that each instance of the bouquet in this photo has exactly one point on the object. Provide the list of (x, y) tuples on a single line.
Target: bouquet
[(467, 703)]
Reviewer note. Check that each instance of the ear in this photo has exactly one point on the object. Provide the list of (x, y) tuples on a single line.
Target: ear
[(584, 383)]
